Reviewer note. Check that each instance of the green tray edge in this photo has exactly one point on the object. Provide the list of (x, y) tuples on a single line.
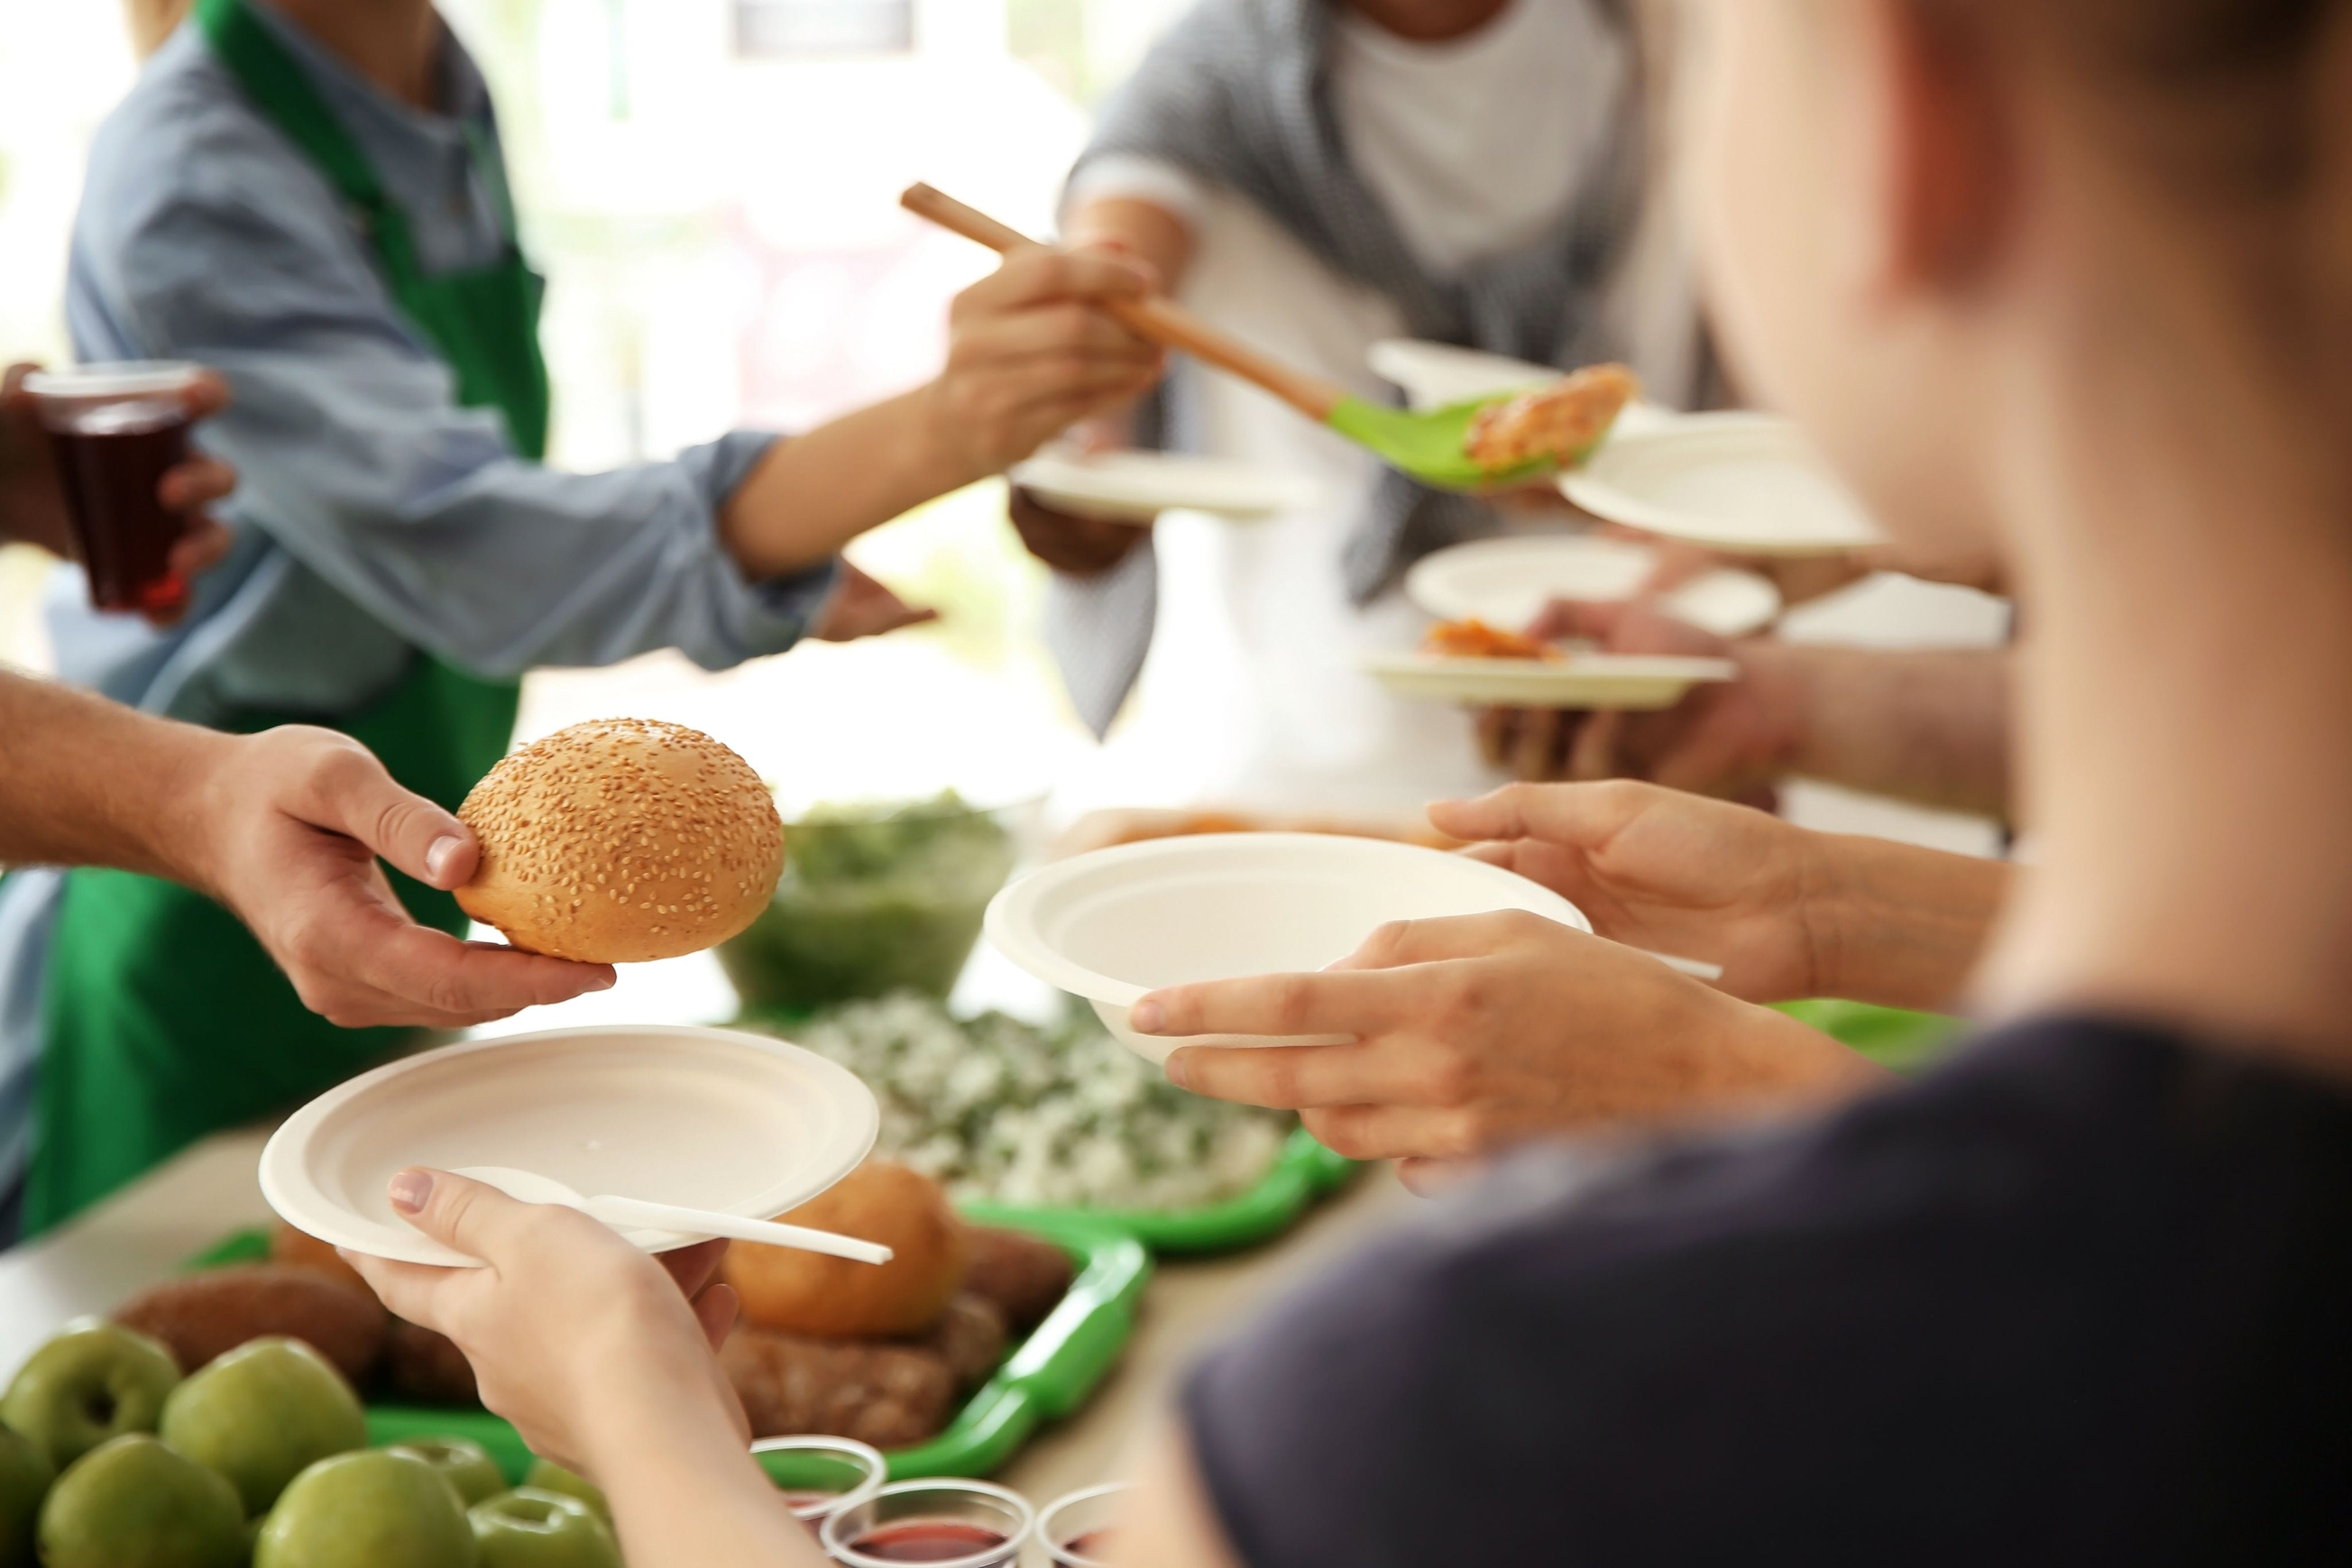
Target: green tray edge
[(1303, 1173), (1046, 1377), (1895, 1037)]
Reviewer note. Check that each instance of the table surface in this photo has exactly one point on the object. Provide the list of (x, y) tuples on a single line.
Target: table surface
[(143, 1231)]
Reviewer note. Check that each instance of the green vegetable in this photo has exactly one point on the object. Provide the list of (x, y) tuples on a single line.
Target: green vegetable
[(873, 899)]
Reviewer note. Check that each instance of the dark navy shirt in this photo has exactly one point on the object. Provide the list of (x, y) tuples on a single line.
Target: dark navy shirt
[(2084, 1296)]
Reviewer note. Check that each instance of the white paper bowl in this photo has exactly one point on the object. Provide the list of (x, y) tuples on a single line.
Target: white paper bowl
[(1746, 483), (708, 1118), (1114, 923), (1507, 582), (1136, 487)]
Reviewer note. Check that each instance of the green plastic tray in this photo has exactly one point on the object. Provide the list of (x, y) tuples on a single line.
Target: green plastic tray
[(1047, 1376), (1897, 1039), (1300, 1176)]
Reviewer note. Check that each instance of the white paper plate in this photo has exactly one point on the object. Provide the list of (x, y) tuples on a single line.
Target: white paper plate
[(1507, 582), (1136, 487), (1636, 682), (1114, 923), (1746, 483), (708, 1117)]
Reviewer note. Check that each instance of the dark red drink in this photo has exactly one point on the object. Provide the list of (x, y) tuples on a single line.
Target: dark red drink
[(926, 1541), (112, 465), (115, 430)]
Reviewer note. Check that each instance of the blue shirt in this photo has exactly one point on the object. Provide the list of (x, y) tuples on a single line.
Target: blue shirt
[(374, 515)]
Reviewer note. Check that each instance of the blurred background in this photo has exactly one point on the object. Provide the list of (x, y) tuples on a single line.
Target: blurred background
[(710, 187)]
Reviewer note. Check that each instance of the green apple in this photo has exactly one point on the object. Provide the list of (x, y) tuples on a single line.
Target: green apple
[(463, 1463), (133, 1503), (374, 1508), (95, 1380), (25, 1476), (263, 1413), (547, 1476), (529, 1528)]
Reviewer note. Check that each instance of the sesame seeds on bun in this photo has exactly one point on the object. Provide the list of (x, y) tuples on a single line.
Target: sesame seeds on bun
[(622, 840)]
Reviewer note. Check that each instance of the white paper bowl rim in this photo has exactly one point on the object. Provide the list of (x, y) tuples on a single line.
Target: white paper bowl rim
[(294, 1196), (1011, 920)]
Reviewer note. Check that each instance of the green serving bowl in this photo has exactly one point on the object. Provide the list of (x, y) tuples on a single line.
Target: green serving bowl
[(873, 900)]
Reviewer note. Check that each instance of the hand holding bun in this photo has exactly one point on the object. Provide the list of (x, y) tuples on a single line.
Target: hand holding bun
[(622, 840)]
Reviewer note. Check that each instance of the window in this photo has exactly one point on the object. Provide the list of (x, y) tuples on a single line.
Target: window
[(778, 29)]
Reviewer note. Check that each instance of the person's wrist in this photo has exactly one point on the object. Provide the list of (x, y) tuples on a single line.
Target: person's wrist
[(1776, 677), (623, 1414), (942, 443), (191, 799), (1769, 1057)]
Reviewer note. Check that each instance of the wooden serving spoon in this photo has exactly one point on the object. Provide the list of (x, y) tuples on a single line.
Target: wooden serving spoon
[(1429, 445)]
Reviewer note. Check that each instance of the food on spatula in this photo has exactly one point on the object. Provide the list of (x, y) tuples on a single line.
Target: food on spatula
[(1022, 1277), (1474, 638), (424, 1365), (620, 841), (808, 1293), (200, 1316), (1559, 423), (878, 1392), (300, 1250)]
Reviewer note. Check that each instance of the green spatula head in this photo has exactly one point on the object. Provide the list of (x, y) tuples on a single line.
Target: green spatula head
[(1429, 445)]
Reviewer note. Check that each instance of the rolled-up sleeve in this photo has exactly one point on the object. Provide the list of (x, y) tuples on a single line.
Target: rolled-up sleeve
[(356, 457)]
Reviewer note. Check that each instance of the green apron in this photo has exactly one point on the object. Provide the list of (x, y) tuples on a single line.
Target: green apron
[(164, 1020)]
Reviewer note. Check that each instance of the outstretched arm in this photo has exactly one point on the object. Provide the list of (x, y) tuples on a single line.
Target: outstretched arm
[(1929, 726), (1787, 912), (284, 829)]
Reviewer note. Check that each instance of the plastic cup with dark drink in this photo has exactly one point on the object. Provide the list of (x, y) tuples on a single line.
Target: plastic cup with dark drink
[(944, 1523), (819, 1476), (115, 431), (1077, 1527)]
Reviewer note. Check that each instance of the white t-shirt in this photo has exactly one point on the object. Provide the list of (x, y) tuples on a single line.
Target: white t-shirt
[(1474, 145), (1253, 694)]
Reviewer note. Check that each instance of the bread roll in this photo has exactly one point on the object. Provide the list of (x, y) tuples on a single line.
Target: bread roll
[(620, 841), (202, 1315), (300, 1249), (837, 1298)]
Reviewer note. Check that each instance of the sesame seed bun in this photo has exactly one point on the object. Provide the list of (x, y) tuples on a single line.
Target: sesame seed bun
[(622, 840)]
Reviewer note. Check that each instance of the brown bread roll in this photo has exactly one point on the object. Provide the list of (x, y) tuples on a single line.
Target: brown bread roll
[(970, 1337), (1025, 1277), (422, 1365), (807, 1293), (300, 1249), (198, 1316), (885, 1395), (620, 841)]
